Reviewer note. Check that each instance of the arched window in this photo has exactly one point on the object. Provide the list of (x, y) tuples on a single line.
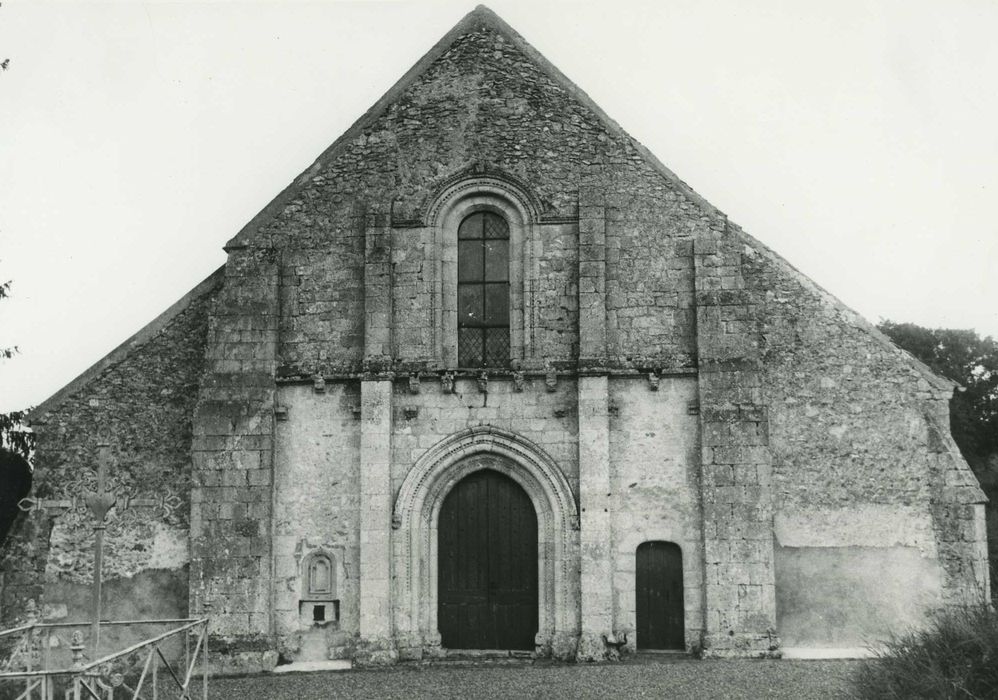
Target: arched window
[(483, 291)]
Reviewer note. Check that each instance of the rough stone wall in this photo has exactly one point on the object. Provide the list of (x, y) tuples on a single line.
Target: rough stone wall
[(655, 467), (556, 293), (484, 104), (860, 460), (232, 454), (736, 462), (141, 405), (322, 319), (650, 278)]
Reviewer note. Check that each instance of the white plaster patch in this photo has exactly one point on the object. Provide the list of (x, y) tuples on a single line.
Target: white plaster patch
[(858, 526), (169, 548)]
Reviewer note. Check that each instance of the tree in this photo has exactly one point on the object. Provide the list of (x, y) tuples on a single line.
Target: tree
[(13, 435), (971, 362), (16, 445)]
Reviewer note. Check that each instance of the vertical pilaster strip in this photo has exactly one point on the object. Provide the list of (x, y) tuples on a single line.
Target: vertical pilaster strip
[(232, 453), (595, 518), (592, 272), (377, 292), (594, 426), (736, 466), (377, 643)]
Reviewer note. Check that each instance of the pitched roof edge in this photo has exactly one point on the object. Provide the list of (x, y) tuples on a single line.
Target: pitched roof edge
[(483, 16), (936, 381), (400, 86), (579, 94), (210, 284)]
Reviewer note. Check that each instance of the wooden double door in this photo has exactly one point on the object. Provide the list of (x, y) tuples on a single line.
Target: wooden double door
[(659, 605), (487, 555)]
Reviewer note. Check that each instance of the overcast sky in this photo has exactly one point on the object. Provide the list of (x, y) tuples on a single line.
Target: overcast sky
[(857, 139)]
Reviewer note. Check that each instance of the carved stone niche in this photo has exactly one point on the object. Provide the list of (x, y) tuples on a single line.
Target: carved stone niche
[(318, 604)]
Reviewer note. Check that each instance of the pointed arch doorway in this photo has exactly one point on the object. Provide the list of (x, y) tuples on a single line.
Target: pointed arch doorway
[(487, 564)]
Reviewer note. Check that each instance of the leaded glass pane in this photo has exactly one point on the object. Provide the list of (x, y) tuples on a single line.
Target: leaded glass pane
[(497, 304), (470, 304), (483, 291), (497, 347), (469, 347), (497, 261), (469, 261), (471, 227), (496, 227)]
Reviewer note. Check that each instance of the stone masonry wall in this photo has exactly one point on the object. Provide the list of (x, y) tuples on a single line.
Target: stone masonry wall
[(736, 461), (650, 296), (654, 457), (316, 507), (861, 457), (140, 402), (548, 419), (232, 453), (483, 104), (655, 468)]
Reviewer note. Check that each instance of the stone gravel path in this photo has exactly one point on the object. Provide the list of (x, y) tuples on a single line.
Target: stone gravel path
[(642, 678)]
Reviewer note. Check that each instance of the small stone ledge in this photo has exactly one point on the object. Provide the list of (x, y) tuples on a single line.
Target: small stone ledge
[(792, 653), (315, 666)]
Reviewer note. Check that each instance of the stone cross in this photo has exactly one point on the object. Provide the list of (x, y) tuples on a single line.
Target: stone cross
[(99, 502)]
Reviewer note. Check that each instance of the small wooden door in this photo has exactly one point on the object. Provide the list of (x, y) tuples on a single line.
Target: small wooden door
[(487, 583), (659, 590)]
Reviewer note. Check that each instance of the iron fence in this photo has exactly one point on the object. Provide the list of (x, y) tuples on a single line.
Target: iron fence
[(37, 667)]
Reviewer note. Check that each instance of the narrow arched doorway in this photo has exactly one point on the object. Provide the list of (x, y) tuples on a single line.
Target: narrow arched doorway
[(487, 564), (659, 608)]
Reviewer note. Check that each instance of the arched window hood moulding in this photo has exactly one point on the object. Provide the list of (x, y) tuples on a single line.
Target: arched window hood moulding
[(484, 180)]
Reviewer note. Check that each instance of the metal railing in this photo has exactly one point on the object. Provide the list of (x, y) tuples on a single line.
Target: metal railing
[(114, 676)]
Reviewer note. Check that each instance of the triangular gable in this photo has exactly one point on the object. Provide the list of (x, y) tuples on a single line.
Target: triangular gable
[(480, 17), (483, 18)]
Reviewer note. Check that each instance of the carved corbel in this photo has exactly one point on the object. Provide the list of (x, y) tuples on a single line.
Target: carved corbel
[(447, 382), (551, 380), (518, 381)]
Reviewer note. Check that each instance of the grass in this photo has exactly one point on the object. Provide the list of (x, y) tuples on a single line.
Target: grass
[(954, 656)]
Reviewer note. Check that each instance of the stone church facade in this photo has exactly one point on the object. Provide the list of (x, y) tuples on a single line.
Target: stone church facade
[(488, 374)]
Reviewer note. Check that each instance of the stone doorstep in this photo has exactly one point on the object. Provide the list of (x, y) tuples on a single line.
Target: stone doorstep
[(488, 654), (314, 666), (470, 657)]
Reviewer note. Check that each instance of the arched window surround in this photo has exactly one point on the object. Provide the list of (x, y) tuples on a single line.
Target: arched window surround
[(448, 209), (315, 559)]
